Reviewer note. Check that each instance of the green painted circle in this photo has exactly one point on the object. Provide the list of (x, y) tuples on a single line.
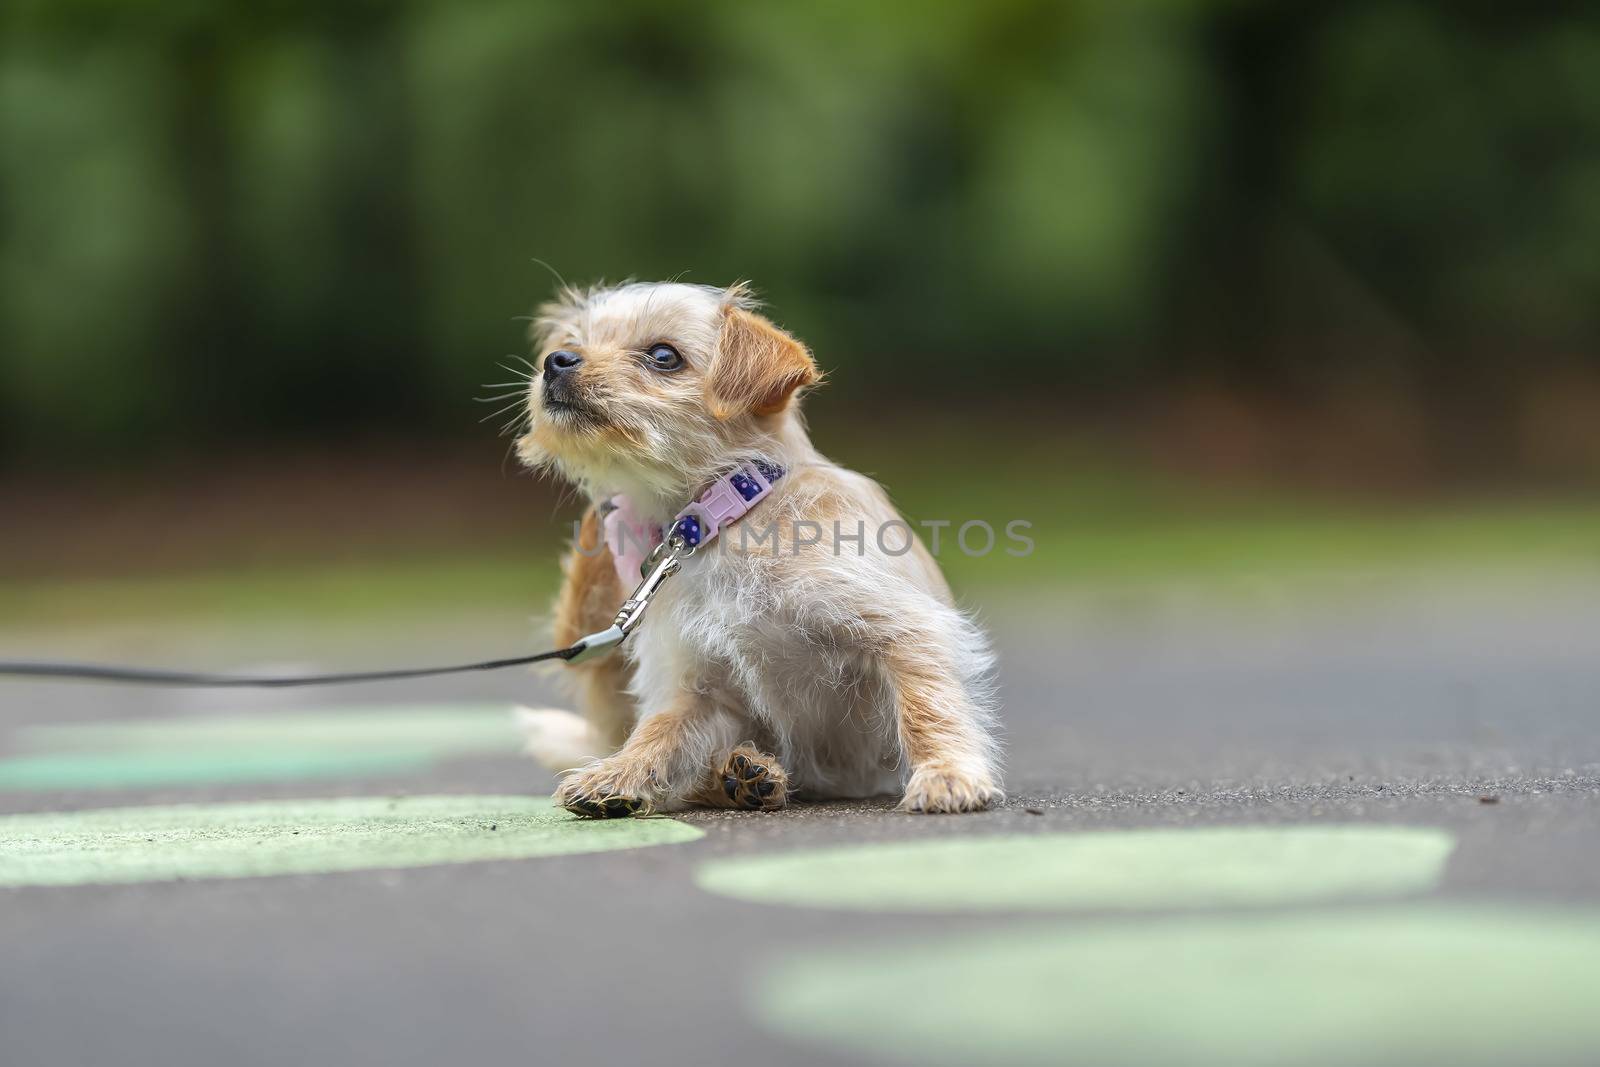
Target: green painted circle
[(182, 766), (442, 729), (1213, 867), (233, 748), (155, 844), (1436, 985)]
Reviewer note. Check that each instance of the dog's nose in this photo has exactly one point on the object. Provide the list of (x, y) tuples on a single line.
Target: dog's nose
[(559, 363)]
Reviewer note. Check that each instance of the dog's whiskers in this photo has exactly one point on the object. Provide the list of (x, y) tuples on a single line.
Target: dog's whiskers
[(501, 411), (524, 376)]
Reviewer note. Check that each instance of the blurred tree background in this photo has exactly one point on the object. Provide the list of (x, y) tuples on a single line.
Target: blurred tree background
[(239, 224)]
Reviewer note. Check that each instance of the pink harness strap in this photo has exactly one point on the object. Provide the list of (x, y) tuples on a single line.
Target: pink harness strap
[(725, 501)]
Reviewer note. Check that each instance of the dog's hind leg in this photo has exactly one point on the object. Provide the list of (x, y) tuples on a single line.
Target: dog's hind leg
[(745, 778)]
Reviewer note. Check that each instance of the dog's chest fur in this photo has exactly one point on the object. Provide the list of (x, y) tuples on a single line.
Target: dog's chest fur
[(742, 631)]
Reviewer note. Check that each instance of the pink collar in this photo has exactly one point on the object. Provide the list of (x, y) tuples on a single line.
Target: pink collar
[(725, 501)]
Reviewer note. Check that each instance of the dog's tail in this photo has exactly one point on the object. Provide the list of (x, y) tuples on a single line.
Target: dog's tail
[(558, 740)]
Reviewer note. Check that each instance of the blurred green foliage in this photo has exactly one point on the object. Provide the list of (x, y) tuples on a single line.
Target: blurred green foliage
[(244, 222)]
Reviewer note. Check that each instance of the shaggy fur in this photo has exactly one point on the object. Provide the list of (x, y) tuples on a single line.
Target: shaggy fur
[(839, 668)]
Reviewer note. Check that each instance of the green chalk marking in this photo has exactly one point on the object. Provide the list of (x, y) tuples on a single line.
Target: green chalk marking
[(1412, 985), (155, 844), (442, 729), (1132, 869), (141, 769), (276, 746)]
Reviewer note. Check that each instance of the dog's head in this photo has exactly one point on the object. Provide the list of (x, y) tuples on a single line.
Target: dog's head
[(657, 381)]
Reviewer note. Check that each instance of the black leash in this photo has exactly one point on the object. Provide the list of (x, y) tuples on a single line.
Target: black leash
[(662, 563), (97, 672)]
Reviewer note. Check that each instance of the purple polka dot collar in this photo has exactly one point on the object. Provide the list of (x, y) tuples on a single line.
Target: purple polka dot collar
[(725, 501)]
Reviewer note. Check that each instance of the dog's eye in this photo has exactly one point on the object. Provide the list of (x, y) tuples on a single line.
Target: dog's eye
[(664, 357)]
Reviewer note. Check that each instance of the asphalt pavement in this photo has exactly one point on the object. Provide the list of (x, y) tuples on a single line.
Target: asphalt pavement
[(1470, 708)]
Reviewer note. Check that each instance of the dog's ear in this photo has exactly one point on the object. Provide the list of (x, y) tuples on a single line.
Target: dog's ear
[(757, 368)]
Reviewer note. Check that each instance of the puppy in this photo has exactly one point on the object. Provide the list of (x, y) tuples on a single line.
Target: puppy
[(812, 646)]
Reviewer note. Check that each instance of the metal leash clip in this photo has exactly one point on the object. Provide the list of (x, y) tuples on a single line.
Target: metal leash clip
[(661, 564)]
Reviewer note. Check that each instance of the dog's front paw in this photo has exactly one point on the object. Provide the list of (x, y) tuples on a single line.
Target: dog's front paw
[(752, 780), (938, 788), (605, 790)]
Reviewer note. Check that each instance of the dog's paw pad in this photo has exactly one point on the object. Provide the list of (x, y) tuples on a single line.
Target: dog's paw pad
[(616, 807), (603, 807), (754, 781)]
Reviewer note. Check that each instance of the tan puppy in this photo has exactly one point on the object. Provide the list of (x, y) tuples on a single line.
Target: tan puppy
[(816, 660)]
